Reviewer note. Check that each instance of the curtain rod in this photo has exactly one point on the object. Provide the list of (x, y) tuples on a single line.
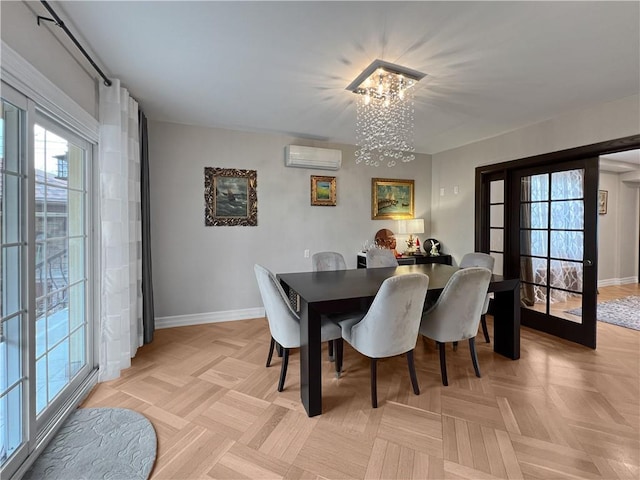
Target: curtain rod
[(58, 21)]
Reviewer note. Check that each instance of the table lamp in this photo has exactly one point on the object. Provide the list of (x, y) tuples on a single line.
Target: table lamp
[(411, 227)]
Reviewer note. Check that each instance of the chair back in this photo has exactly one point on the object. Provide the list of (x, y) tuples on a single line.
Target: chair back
[(284, 323), (381, 257), (325, 261), (390, 326), (456, 314), (477, 259)]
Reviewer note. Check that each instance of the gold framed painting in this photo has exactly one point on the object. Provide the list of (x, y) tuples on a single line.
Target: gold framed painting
[(392, 199), (602, 201), (230, 197), (323, 191)]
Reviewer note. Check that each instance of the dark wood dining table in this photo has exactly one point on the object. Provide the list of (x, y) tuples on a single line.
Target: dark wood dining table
[(346, 290)]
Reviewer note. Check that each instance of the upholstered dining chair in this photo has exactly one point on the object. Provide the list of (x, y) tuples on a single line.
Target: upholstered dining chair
[(284, 323), (381, 257), (324, 261), (456, 314), (479, 259), (390, 326)]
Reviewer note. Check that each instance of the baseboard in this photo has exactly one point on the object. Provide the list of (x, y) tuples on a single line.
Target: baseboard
[(210, 317), (617, 281)]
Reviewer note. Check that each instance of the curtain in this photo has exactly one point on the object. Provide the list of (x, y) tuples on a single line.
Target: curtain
[(120, 252), (527, 294), (148, 316)]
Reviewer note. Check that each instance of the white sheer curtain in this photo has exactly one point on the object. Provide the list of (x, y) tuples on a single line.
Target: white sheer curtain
[(120, 262)]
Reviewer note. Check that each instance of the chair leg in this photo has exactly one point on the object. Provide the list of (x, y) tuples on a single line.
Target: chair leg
[(412, 373), (474, 357), (279, 349), (374, 385), (483, 321), (283, 369), (332, 358), (271, 345), (443, 364), (455, 346), (339, 344)]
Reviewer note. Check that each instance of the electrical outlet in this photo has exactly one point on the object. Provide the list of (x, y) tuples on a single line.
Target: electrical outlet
[(455, 189), (442, 192), (306, 253)]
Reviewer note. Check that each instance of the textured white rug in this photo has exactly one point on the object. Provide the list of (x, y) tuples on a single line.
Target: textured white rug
[(99, 443), (624, 312)]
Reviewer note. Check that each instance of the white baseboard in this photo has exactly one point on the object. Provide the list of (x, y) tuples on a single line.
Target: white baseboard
[(210, 317), (617, 281)]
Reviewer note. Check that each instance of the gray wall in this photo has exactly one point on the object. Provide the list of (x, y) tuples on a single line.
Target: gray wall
[(200, 269), (452, 217), (618, 230)]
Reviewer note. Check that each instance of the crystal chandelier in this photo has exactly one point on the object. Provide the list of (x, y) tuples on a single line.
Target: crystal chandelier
[(385, 113)]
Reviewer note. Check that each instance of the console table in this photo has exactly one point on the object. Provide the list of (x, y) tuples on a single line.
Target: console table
[(419, 260)]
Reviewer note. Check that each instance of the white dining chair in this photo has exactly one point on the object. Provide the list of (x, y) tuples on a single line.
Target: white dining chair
[(479, 259), (381, 257), (456, 314), (284, 323), (390, 326), (328, 261)]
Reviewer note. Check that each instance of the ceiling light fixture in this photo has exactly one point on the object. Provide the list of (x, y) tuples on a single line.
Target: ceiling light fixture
[(385, 113)]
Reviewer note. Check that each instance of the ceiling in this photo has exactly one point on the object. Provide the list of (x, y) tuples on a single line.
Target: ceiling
[(283, 66)]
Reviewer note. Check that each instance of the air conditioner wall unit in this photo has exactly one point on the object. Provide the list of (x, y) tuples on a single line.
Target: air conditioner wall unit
[(312, 157)]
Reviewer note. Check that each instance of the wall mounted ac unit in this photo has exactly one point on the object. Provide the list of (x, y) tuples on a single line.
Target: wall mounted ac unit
[(312, 157)]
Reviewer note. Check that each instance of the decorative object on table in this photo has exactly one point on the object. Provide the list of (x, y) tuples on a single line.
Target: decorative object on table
[(433, 246), (230, 197), (323, 191), (411, 227), (99, 443), (392, 199), (385, 118), (602, 201), (386, 239)]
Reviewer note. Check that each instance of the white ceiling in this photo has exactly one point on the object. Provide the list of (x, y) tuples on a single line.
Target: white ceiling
[(283, 66)]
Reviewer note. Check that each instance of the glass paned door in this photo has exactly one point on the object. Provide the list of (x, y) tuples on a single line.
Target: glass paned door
[(13, 309), (556, 243), (60, 264)]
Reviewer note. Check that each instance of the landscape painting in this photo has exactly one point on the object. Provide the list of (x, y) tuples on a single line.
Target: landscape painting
[(323, 191), (392, 199), (230, 197)]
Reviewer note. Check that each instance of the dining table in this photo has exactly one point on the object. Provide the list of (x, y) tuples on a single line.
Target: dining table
[(339, 291)]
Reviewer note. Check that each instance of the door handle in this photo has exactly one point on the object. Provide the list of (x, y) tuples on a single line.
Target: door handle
[(588, 263)]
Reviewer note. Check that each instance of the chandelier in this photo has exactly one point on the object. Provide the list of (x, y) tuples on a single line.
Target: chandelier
[(385, 113)]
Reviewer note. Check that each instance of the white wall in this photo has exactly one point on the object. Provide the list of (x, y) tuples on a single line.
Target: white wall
[(202, 270), (452, 218), (38, 46), (618, 231)]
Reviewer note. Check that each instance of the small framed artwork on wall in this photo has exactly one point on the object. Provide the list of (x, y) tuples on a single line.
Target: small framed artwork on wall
[(323, 191), (602, 201), (392, 199), (230, 197)]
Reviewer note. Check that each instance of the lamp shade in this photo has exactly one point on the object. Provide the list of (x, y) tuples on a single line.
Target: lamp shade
[(412, 226)]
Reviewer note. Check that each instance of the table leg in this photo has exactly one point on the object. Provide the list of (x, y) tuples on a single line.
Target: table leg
[(310, 360), (506, 323)]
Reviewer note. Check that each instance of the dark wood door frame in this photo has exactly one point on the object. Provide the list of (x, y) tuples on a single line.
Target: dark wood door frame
[(504, 171)]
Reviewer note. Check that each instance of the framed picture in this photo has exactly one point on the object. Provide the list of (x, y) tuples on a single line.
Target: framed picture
[(323, 191), (230, 197), (602, 201), (391, 199)]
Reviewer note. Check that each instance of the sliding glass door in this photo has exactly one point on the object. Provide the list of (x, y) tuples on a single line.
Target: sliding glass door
[(46, 336)]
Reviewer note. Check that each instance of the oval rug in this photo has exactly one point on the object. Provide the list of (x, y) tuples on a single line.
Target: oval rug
[(99, 443)]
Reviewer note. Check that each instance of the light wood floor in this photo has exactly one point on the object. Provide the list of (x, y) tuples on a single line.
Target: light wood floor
[(561, 411)]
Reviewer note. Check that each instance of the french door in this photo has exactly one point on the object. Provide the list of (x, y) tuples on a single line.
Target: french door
[(553, 225), (46, 336)]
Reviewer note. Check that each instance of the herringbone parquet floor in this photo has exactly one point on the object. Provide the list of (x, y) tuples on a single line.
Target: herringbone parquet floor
[(561, 411)]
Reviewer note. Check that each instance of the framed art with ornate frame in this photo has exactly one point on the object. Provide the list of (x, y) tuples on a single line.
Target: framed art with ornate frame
[(230, 197), (323, 191), (602, 201), (392, 199)]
